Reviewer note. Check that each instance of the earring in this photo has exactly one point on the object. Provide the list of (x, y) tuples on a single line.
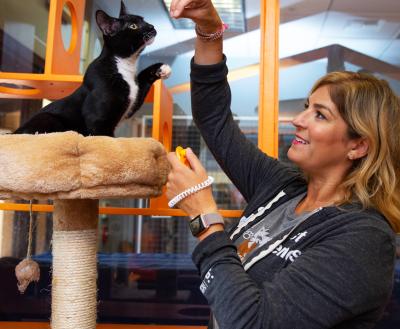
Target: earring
[(350, 156)]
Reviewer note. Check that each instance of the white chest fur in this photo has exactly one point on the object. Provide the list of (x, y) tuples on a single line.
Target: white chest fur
[(127, 68)]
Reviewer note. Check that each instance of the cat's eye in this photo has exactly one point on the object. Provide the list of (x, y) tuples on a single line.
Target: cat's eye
[(133, 26)]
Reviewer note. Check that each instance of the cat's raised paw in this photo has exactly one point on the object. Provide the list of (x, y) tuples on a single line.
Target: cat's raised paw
[(164, 71)]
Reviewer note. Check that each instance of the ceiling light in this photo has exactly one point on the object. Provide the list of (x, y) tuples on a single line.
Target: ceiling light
[(232, 12)]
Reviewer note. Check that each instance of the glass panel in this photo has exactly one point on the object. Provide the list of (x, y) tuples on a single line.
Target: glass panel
[(23, 36), (13, 112), (158, 285)]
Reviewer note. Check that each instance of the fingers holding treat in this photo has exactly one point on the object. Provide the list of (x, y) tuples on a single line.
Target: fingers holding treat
[(181, 154), (189, 186)]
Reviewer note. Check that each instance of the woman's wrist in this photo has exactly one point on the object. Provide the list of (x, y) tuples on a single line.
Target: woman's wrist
[(206, 208), (211, 24), (217, 34), (211, 230)]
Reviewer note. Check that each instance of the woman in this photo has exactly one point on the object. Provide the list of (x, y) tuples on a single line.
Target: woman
[(308, 253)]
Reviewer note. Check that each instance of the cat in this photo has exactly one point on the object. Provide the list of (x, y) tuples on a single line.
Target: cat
[(112, 89)]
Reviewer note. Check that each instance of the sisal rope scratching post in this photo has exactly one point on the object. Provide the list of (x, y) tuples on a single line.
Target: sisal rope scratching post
[(76, 171), (74, 293)]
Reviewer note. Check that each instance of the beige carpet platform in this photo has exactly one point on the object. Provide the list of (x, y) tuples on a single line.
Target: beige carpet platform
[(70, 166)]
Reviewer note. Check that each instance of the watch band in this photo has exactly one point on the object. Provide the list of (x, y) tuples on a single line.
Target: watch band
[(203, 221), (212, 218)]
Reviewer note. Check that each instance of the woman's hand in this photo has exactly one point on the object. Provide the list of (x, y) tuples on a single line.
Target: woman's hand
[(202, 12), (181, 178)]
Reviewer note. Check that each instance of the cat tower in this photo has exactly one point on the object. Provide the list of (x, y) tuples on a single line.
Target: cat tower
[(75, 172)]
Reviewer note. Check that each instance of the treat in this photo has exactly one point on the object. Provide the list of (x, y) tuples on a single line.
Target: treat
[(181, 154)]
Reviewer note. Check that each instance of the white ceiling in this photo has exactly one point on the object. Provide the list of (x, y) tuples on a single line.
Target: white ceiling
[(367, 26)]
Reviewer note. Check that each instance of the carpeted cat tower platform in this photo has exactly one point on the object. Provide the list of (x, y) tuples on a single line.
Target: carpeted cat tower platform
[(75, 172)]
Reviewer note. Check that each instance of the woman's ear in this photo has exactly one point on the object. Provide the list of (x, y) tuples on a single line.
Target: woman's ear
[(359, 149)]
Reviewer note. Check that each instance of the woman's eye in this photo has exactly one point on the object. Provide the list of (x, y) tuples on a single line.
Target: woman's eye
[(133, 26), (319, 115)]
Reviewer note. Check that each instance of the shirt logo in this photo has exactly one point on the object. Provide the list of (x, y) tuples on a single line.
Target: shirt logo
[(252, 241), (206, 281)]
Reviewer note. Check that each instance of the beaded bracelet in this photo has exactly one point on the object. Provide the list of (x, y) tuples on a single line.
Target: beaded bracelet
[(211, 36), (191, 190)]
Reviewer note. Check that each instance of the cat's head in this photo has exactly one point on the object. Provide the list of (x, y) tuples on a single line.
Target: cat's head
[(125, 35)]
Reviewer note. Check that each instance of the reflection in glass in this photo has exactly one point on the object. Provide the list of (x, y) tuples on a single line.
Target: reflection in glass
[(22, 36)]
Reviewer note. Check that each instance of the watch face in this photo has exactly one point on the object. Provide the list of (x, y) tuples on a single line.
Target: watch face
[(196, 226)]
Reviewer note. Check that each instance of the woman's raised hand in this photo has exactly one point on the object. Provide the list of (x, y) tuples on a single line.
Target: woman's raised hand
[(202, 12)]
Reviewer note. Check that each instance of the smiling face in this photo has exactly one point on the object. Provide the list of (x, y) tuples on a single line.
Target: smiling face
[(321, 145)]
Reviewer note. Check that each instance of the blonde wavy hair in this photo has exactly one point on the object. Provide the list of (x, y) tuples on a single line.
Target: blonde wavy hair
[(371, 110)]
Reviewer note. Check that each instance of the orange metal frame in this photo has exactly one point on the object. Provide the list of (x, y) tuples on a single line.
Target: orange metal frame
[(269, 72)]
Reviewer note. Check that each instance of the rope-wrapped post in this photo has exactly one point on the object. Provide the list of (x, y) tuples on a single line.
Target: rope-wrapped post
[(74, 288)]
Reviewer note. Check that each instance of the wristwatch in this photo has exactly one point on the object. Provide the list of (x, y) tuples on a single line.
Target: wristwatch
[(203, 221)]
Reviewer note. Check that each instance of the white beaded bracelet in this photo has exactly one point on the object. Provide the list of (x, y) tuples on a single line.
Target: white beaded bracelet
[(191, 190)]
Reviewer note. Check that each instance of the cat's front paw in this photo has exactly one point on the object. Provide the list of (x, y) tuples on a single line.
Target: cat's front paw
[(164, 71)]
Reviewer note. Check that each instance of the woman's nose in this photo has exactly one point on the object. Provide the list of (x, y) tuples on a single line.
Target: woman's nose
[(300, 119)]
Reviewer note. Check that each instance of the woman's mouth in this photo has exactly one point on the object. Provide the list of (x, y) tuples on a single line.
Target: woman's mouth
[(299, 141)]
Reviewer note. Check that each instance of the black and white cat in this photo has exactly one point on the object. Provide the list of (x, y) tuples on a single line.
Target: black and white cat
[(112, 89)]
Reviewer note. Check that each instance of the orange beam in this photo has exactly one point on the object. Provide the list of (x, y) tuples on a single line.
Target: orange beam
[(45, 325), (162, 129), (269, 69), (50, 86), (38, 86), (116, 210), (162, 114)]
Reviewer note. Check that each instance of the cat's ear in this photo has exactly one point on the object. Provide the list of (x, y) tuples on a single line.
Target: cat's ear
[(108, 25), (122, 11)]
